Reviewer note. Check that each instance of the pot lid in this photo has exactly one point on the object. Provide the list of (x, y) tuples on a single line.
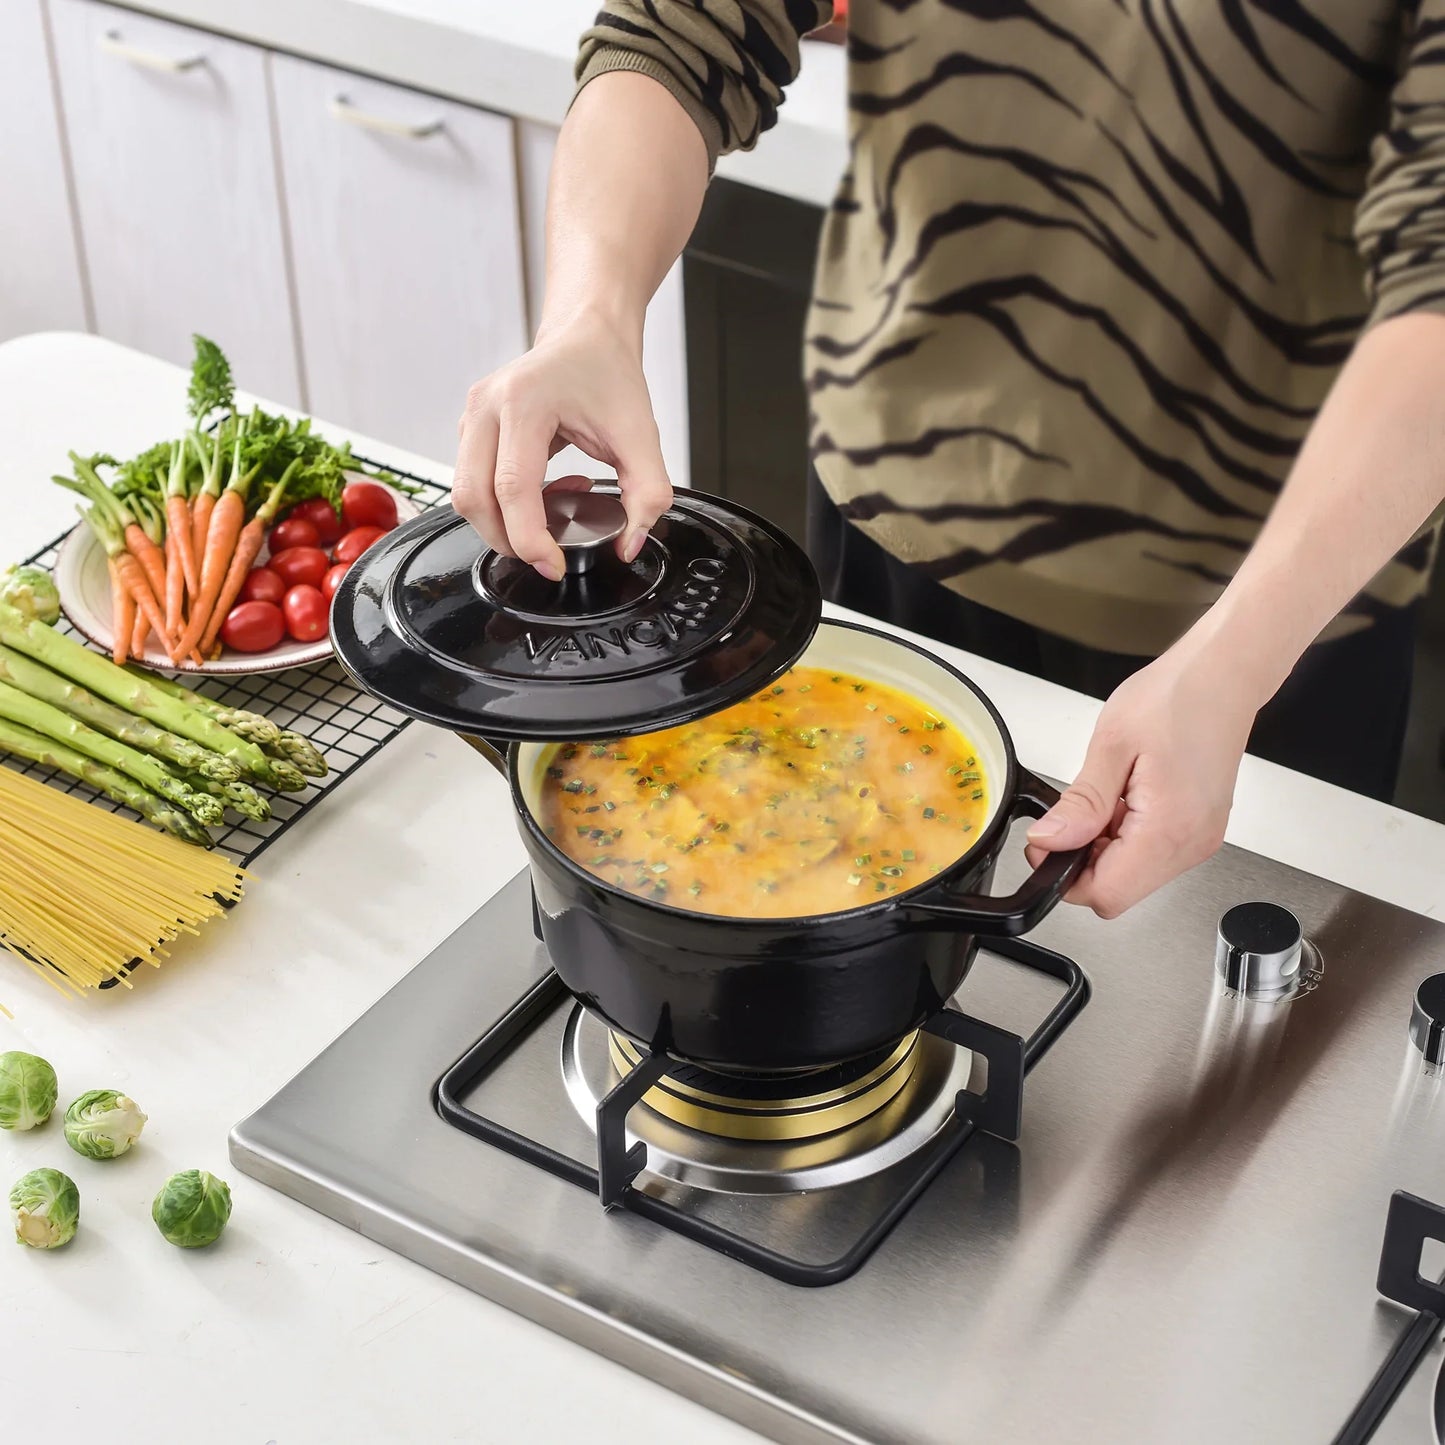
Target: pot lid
[(717, 603)]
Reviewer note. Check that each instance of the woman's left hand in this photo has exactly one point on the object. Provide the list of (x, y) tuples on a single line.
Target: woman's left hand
[(1155, 790)]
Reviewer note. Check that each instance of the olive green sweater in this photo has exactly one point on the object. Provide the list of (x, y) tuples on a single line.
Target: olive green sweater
[(1091, 269)]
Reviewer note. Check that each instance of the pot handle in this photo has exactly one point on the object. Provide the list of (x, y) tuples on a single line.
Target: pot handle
[(491, 749), (1021, 910)]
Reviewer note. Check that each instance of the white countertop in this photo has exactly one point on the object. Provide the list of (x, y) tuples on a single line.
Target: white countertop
[(516, 56), (293, 1329)]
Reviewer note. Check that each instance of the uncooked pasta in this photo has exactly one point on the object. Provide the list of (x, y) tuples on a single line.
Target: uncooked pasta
[(85, 894)]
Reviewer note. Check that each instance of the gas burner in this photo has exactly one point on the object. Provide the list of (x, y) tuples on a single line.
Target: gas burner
[(772, 1134), (914, 1105), (797, 1105)]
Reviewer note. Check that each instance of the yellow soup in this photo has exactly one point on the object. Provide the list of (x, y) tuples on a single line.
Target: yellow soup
[(821, 793)]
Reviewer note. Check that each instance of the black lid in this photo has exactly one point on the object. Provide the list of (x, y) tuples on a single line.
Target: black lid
[(716, 604)]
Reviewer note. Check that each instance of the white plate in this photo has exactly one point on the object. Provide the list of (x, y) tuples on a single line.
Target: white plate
[(83, 581)]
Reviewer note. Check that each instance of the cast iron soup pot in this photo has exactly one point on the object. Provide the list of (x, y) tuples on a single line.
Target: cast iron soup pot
[(778, 994)]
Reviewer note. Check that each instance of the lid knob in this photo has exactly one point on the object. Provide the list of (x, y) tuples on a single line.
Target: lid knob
[(1427, 1019), (1259, 950), (582, 524)]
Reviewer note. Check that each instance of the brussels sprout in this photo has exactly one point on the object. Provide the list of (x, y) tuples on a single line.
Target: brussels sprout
[(103, 1123), (27, 1090), (31, 591), (45, 1205), (192, 1208)]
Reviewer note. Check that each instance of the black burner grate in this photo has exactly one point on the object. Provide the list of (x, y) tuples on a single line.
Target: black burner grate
[(996, 1111), (321, 702)]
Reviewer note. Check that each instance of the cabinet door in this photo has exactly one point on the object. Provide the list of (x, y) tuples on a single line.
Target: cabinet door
[(176, 187), (407, 248), (664, 339), (40, 279)]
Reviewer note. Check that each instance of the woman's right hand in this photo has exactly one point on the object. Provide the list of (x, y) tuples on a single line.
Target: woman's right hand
[(581, 384)]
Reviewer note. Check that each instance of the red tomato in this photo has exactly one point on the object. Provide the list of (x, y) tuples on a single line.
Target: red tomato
[(332, 580), (293, 532), (367, 504), (322, 515), (253, 627), (307, 613), (298, 566), (262, 585), (355, 542)]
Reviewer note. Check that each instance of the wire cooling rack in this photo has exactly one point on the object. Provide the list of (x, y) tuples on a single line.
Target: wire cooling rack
[(321, 702)]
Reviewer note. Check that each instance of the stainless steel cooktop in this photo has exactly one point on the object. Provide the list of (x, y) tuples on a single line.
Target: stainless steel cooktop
[(1183, 1246)]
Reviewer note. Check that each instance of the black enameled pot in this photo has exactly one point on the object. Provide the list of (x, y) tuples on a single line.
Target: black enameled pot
[(718, 603), (771, 994)]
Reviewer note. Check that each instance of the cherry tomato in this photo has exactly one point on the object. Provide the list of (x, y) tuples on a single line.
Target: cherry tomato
[(307, 613), (298, 566), (293, 532), (262, 585), (332, 580), (253, 627), (322, 515), (367, 504), (355, 542)]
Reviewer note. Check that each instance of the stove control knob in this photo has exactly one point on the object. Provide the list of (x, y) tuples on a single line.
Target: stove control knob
[(1259, 950), (1427, 1019)]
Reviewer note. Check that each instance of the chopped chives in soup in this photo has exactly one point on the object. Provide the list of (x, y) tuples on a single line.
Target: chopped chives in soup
[(822, 792)]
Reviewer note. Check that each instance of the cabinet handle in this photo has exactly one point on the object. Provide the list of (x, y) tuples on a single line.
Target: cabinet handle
[(112, 44), (343, 109)]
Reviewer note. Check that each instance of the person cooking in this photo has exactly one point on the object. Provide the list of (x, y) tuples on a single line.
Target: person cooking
[(1126, 358)]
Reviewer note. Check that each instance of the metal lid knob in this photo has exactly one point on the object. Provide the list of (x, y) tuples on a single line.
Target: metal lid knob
[(1427, 1019), (1259, 950), (582, 524)]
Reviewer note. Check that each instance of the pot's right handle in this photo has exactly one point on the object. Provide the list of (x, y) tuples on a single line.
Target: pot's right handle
[(1021, 910)]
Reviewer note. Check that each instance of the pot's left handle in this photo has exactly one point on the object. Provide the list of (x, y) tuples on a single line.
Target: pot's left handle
[(1021, 910), (492, 749)]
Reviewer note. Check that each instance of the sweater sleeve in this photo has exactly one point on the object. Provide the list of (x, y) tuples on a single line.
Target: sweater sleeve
[(724, 61), (1400, 224)]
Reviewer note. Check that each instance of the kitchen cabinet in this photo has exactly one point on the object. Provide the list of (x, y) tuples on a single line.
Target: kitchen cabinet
[(176, 189), (406, 241), (664, 341), (41, 286), (360, 249)]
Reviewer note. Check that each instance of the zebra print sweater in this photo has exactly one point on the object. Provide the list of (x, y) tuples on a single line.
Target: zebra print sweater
[(1090, 271)]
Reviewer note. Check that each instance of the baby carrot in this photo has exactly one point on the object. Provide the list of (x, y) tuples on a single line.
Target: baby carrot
[(178, 522), (122, 614), (248, 545), (131, 574), (222, 535), (139, 632), (175, 581)]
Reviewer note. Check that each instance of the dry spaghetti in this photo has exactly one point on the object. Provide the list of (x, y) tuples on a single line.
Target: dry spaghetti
[(86, 894)]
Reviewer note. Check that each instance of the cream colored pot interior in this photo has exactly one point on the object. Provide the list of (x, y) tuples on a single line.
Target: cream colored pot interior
[(874, 658)]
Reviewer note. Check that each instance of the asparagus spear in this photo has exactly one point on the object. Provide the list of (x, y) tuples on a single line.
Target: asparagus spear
[(240, 797), (129, 691), (301, 750), (249, 725), (27, 744), (281, 743), (19, 707), (277, 742), (105, 717)]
